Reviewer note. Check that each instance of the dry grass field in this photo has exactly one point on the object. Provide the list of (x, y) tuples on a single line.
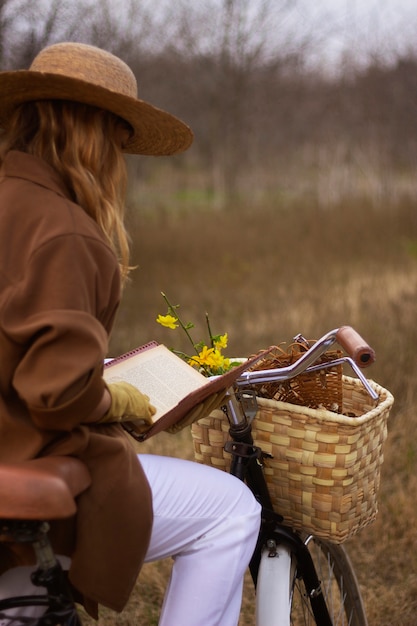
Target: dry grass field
[(263, 276)]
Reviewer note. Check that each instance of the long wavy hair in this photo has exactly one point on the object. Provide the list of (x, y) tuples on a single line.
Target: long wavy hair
[(83, 144)]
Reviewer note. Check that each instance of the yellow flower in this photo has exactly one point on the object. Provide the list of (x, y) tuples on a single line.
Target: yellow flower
[(194, 361), (211, 360), (219, 362), (169, 321), (205, 357), (221, 342)]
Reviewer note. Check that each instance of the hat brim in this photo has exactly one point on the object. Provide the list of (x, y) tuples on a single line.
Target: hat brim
[(156, 132)]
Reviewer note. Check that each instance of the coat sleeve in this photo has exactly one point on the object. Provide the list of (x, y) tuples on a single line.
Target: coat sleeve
[(59, 314)]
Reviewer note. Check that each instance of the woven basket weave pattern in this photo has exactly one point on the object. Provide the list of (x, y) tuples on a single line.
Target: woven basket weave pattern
[(325, 472)]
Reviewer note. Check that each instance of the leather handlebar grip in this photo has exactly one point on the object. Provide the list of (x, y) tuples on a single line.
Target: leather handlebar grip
[(355, 346)]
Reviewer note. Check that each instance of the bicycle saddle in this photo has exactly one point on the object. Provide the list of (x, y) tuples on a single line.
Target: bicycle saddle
[(42, 489)]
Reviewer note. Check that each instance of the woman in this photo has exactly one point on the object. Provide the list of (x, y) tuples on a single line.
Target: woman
[(63, 256)]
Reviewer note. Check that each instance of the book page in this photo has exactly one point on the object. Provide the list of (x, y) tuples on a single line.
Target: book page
[(157, 372)]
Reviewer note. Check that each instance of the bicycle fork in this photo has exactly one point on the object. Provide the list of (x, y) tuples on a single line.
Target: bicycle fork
[(284, 558), (273, 601)]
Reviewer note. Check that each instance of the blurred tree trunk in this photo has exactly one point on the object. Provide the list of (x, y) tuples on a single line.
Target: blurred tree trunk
[(227, 42), (26, 27)]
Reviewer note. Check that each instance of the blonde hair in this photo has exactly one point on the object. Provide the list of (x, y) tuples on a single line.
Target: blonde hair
[(82, 143)]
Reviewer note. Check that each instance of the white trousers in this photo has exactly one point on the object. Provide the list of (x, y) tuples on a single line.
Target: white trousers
[(208, 522)]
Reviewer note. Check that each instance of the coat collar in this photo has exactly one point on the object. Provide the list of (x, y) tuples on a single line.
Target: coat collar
[(29, 167)]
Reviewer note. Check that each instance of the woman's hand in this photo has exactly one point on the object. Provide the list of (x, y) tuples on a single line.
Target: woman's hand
[(128, 404)]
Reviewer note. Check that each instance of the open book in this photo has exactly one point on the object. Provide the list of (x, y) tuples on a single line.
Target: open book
[(173, 386)]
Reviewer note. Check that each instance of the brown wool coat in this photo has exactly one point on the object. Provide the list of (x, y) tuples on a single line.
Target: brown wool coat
[(59, 292)]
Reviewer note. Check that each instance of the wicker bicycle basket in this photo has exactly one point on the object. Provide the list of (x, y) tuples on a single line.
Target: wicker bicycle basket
[(324, 470)]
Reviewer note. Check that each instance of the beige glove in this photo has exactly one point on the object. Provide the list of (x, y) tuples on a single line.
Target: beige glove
[(128, 404), (198, 412)]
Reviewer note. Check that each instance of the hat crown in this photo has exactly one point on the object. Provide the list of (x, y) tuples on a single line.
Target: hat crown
[(88, 64)]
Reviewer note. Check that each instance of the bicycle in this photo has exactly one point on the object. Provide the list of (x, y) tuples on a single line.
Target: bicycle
[(299, 578), (46, 489)]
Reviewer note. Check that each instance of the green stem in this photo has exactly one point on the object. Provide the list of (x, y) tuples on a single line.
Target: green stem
[(172, 311), (209, 330)]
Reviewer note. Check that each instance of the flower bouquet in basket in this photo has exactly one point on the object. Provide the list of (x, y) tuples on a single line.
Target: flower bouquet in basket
[(207, 357), (321, 433)]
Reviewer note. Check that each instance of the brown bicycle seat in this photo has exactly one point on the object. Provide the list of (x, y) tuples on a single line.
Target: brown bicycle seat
[(42, 489)]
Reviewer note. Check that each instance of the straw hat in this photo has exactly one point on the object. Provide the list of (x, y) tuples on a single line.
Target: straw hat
[(83, 73)]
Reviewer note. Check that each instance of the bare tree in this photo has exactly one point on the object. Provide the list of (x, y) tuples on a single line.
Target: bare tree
[(124, 28), (229, 41), (26, 27), (10, 10)]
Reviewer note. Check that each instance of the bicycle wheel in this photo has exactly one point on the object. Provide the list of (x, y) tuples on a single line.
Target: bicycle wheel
[(339, 586)]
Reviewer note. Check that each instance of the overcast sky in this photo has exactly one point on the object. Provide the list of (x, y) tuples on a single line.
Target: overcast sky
[(362, 26)]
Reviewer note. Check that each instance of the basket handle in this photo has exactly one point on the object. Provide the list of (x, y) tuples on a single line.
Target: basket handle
[(357, 348)]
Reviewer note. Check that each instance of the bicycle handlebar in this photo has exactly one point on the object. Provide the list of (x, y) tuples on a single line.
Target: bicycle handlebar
[(360, 353), (356, 347)]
